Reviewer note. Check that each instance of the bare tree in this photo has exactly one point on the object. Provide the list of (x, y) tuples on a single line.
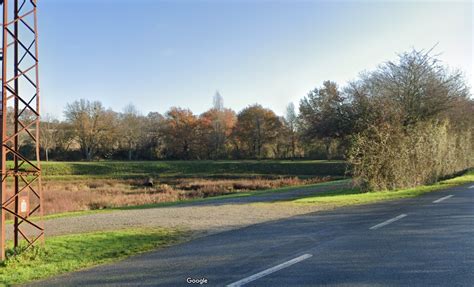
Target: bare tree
[(131, 128), (92, 125), (218, 101), (48, 127), (291, 121)]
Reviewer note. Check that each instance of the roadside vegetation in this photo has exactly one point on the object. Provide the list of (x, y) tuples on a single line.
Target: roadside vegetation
[(68, 253), (99, 194), (357, 196), (405, 124)]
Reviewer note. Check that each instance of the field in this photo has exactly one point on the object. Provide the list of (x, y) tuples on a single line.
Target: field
[(79, 186), (207, 169)]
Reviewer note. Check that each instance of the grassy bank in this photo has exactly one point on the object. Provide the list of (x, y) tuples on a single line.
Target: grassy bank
[(208, 169), (73, 252), (345, 197)]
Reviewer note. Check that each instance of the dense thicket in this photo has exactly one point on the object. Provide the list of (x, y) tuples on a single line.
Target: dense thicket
[(406, 123), (412, 124)]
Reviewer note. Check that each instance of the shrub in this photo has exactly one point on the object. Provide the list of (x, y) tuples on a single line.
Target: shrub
[(390, 156)]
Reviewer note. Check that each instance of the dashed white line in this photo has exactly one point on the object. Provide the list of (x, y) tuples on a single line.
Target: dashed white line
[(270, 270), (387, 222), (442, 198)]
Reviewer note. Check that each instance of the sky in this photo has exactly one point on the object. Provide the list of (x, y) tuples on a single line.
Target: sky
[(158, 54)]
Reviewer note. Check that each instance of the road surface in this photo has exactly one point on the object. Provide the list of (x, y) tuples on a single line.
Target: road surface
[(423, 241)]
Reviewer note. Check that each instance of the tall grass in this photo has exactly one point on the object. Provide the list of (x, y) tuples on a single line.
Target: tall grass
[(93, 194)]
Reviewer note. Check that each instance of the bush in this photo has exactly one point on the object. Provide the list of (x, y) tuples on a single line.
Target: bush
[(411, 124), (388, 156)]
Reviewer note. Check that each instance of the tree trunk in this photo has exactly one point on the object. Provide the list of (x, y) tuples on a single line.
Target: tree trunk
[(89, 154)]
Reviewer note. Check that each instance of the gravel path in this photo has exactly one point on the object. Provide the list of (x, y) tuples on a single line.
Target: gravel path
[(201, 218)]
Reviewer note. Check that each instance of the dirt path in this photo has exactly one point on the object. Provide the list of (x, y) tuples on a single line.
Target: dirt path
[(201, 217)]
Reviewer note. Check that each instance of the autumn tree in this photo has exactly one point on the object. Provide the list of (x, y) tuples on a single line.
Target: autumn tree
[(152, 142), (255, 131), (180, 134), (216, 127)]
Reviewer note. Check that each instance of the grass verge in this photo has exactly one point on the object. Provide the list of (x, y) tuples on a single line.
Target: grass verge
[(345, 197), (67, 253)]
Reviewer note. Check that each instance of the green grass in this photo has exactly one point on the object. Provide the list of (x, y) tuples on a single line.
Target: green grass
[(345, 197), (73, 252), (231, 168)]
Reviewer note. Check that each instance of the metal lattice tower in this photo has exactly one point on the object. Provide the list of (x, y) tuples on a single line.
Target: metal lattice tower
[(20, 190)]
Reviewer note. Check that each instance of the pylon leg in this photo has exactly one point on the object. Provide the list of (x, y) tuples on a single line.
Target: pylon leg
[(21, 193)]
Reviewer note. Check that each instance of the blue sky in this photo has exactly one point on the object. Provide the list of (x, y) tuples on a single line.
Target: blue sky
[(158, 54)]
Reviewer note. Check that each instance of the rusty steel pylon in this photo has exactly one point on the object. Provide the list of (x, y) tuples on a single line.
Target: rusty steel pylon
[(20, 118)]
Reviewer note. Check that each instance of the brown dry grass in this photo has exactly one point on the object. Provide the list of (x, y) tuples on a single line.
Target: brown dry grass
[(65, 196)]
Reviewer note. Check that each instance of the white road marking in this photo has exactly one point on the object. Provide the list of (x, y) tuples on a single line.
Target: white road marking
[(270, 270), (387, 222), (442, 198), (472, 186)]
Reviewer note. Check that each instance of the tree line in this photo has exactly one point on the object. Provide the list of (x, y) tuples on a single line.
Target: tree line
[(90, 131), (405, 123)]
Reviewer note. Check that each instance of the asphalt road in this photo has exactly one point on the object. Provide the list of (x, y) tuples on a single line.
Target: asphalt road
[(423, 241)]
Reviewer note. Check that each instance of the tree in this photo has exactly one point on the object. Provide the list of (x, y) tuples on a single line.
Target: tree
[(131, 128), (256, 130), (416, 88), (325, 115), (63, 136), (291, 120), (216, 127), (412, 124), (92, 124), (152, 142), (180, 134), (48, 128), (218, 102)]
